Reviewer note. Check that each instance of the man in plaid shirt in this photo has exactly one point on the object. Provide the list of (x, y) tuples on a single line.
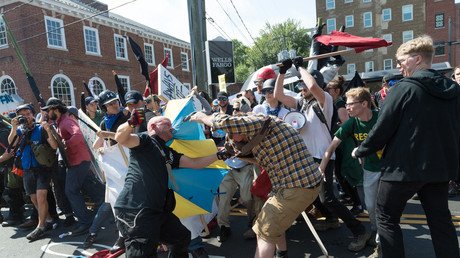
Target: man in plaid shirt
[(293, 173)]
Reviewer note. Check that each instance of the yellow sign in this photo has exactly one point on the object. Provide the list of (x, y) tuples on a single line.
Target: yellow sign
[(222, 84)]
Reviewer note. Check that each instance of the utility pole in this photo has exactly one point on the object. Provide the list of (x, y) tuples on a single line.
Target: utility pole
[(197, 26), (449, 35)]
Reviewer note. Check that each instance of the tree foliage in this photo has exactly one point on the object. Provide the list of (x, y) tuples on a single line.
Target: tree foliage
[(272, 40)]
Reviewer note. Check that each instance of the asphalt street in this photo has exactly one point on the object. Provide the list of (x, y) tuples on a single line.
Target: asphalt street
[(301, 242)]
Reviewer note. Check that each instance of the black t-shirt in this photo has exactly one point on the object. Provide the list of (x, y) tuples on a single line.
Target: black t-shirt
[(146, 182)]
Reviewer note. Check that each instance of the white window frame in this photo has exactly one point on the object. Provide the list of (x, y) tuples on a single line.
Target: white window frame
[(125, 52), (170, 60), (407, 9), (90, 84), (128, 82), (186, 68), (388, 14), (347, 1), (71, 88), (405, 36), (369, 19), (369, 66), (351, 68), (3, 34), (352, 21), (61, 33), (385, 64), (388, 37), (367, 1), (435, 21), (330, 4), (98, 46), (7, 77), (328, 25), (152, 55)]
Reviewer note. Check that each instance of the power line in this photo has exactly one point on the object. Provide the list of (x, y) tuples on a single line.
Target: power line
[(232, 20), (241, 19), (215, 25), (77, 21), (14, 8)]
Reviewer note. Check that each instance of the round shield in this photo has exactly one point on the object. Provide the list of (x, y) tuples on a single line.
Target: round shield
[(295, 119)]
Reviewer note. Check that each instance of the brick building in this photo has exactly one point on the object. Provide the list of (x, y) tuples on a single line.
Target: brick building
[(396, 21), (66, 42)]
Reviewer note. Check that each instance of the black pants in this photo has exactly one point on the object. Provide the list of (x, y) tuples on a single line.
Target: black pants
[(145, 229), (392, 199), (334, 208), (58, 176)]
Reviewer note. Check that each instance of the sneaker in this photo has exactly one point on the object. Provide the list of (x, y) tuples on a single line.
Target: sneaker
[(69, 221), (28, 224), (52, 224), (224, 233), (119, 244), (360, 242), (89, 240), (326, 225), (249, 234), (377, 252), (36, 234), (199, 253), (12, 222), (281, 254)]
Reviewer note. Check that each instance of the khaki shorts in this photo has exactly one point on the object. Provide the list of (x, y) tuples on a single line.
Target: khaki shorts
[(280, 211)]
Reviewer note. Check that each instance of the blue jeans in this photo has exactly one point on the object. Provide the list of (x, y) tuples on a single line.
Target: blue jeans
[(103, 213), (79, 179), (391, 200)]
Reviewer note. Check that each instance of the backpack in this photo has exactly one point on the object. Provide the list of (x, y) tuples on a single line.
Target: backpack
[(44, 154), (304, 105)]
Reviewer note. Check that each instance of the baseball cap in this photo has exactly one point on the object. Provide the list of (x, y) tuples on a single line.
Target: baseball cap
[(73, 110), (52, 103), (89, 100), (266, 73), (222, 94), (133, 96)]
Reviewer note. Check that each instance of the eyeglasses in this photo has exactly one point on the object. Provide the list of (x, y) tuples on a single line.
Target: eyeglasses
[(265, 92), (258, 81), (400, 61), (222, 98), (352, 103)]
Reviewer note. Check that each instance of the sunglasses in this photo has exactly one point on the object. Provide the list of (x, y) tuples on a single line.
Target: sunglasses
[(265, 92), (222, 98)]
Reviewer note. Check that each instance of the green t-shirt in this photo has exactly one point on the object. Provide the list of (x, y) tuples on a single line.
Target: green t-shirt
[(98, 117), (359, 130)]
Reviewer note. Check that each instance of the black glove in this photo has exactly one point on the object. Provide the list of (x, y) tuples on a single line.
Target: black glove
[(298, 62), (223, 154), (286, 64), (137, 116)]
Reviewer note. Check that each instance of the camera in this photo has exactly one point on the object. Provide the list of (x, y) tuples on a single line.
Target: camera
[(22, 120)]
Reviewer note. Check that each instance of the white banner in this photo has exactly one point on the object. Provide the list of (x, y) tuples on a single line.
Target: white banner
[(169, 87), (8, 103)]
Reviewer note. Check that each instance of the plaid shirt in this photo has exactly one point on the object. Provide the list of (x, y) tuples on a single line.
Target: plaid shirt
[(282, 152)]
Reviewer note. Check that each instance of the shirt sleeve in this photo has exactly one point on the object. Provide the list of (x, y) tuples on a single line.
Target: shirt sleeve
[(345, 130), (176, 157), (247, 124)]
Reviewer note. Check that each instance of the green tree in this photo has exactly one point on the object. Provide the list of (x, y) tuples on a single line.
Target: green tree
[(240, 58), (275, 38)]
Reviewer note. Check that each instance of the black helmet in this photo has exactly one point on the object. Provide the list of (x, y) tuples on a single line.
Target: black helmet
[(53, 103), (106, 97)]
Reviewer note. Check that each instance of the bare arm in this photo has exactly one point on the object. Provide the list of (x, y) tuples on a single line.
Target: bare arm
[(14, 128), (279, 93), (327, 155), (202, 162), (314, 88), (125, 137), (202, 118), (51, 140), (343, 115)]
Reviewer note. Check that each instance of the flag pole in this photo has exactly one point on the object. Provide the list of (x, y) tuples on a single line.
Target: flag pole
[(341, 52)]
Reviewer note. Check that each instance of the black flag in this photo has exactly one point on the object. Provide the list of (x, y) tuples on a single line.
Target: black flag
[(140, 57)]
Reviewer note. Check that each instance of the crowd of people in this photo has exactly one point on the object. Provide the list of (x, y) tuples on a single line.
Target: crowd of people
[(286, 155)]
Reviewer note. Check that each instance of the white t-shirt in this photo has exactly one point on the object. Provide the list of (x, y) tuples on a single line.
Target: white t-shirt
[(262, 109), (315, 133)]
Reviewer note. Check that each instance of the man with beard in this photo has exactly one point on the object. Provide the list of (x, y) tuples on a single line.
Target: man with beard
[(78, 176), (36, 177), (317, 107), (144, 207)]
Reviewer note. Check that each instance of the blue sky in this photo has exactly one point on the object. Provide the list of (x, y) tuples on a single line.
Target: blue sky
[(171, 16)]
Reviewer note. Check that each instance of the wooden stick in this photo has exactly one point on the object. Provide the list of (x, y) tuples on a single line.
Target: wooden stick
[(341, 52)]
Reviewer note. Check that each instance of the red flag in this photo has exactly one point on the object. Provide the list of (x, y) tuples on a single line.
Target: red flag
[(154, 79), (360, 44)]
